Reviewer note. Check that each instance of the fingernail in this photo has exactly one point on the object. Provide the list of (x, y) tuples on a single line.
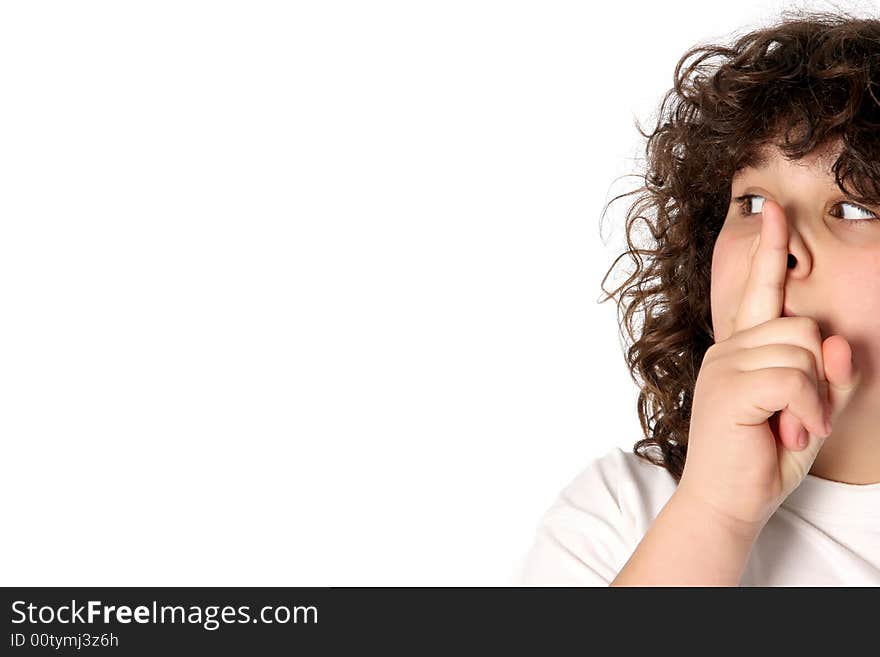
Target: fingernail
[(802, 438)]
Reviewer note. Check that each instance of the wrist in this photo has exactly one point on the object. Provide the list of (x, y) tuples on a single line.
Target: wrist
[(715, 519), (690, 543)]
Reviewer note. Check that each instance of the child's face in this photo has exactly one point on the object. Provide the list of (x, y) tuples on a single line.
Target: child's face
[(836, 280)]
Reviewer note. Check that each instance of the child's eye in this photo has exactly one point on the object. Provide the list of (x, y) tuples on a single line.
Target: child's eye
[(743, 202)]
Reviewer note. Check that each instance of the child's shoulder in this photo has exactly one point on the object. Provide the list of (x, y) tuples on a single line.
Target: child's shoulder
[(597, 520), (635, 484)]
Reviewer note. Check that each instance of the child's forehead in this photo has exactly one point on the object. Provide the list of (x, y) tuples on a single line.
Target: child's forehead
[(769, 158)]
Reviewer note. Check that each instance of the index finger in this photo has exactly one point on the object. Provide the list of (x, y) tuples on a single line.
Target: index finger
[(765, 287)]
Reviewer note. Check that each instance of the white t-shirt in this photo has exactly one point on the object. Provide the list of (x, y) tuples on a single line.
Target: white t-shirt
[(825, 533)]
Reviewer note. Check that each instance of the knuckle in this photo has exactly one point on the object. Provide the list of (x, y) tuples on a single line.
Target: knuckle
[(799, 381), (806, 361), (809, 328), (713, 354)]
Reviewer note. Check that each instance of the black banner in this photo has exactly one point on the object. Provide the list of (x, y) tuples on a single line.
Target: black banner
[(331, 621)]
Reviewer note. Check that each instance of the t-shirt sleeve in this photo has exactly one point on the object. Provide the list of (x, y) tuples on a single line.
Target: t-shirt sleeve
[(586, 537)]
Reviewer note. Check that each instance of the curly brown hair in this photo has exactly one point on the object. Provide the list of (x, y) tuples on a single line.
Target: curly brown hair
[(806, 81)]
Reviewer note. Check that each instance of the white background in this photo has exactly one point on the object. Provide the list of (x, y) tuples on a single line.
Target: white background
[(306, 293)]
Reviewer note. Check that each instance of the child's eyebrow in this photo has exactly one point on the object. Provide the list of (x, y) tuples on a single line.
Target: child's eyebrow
[(757, 161)]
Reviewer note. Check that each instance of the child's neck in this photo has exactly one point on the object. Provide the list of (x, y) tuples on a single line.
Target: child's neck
[(851, 454)]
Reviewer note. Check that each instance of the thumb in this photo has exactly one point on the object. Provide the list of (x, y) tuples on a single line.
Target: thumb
[(842, 373)]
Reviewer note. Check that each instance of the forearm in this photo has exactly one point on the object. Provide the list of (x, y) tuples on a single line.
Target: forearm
[(689, 544)]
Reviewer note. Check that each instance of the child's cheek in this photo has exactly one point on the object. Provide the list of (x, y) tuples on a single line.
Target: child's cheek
[(851, 304)]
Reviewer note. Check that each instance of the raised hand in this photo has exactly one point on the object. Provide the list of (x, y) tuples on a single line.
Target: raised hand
[(735, 462)]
